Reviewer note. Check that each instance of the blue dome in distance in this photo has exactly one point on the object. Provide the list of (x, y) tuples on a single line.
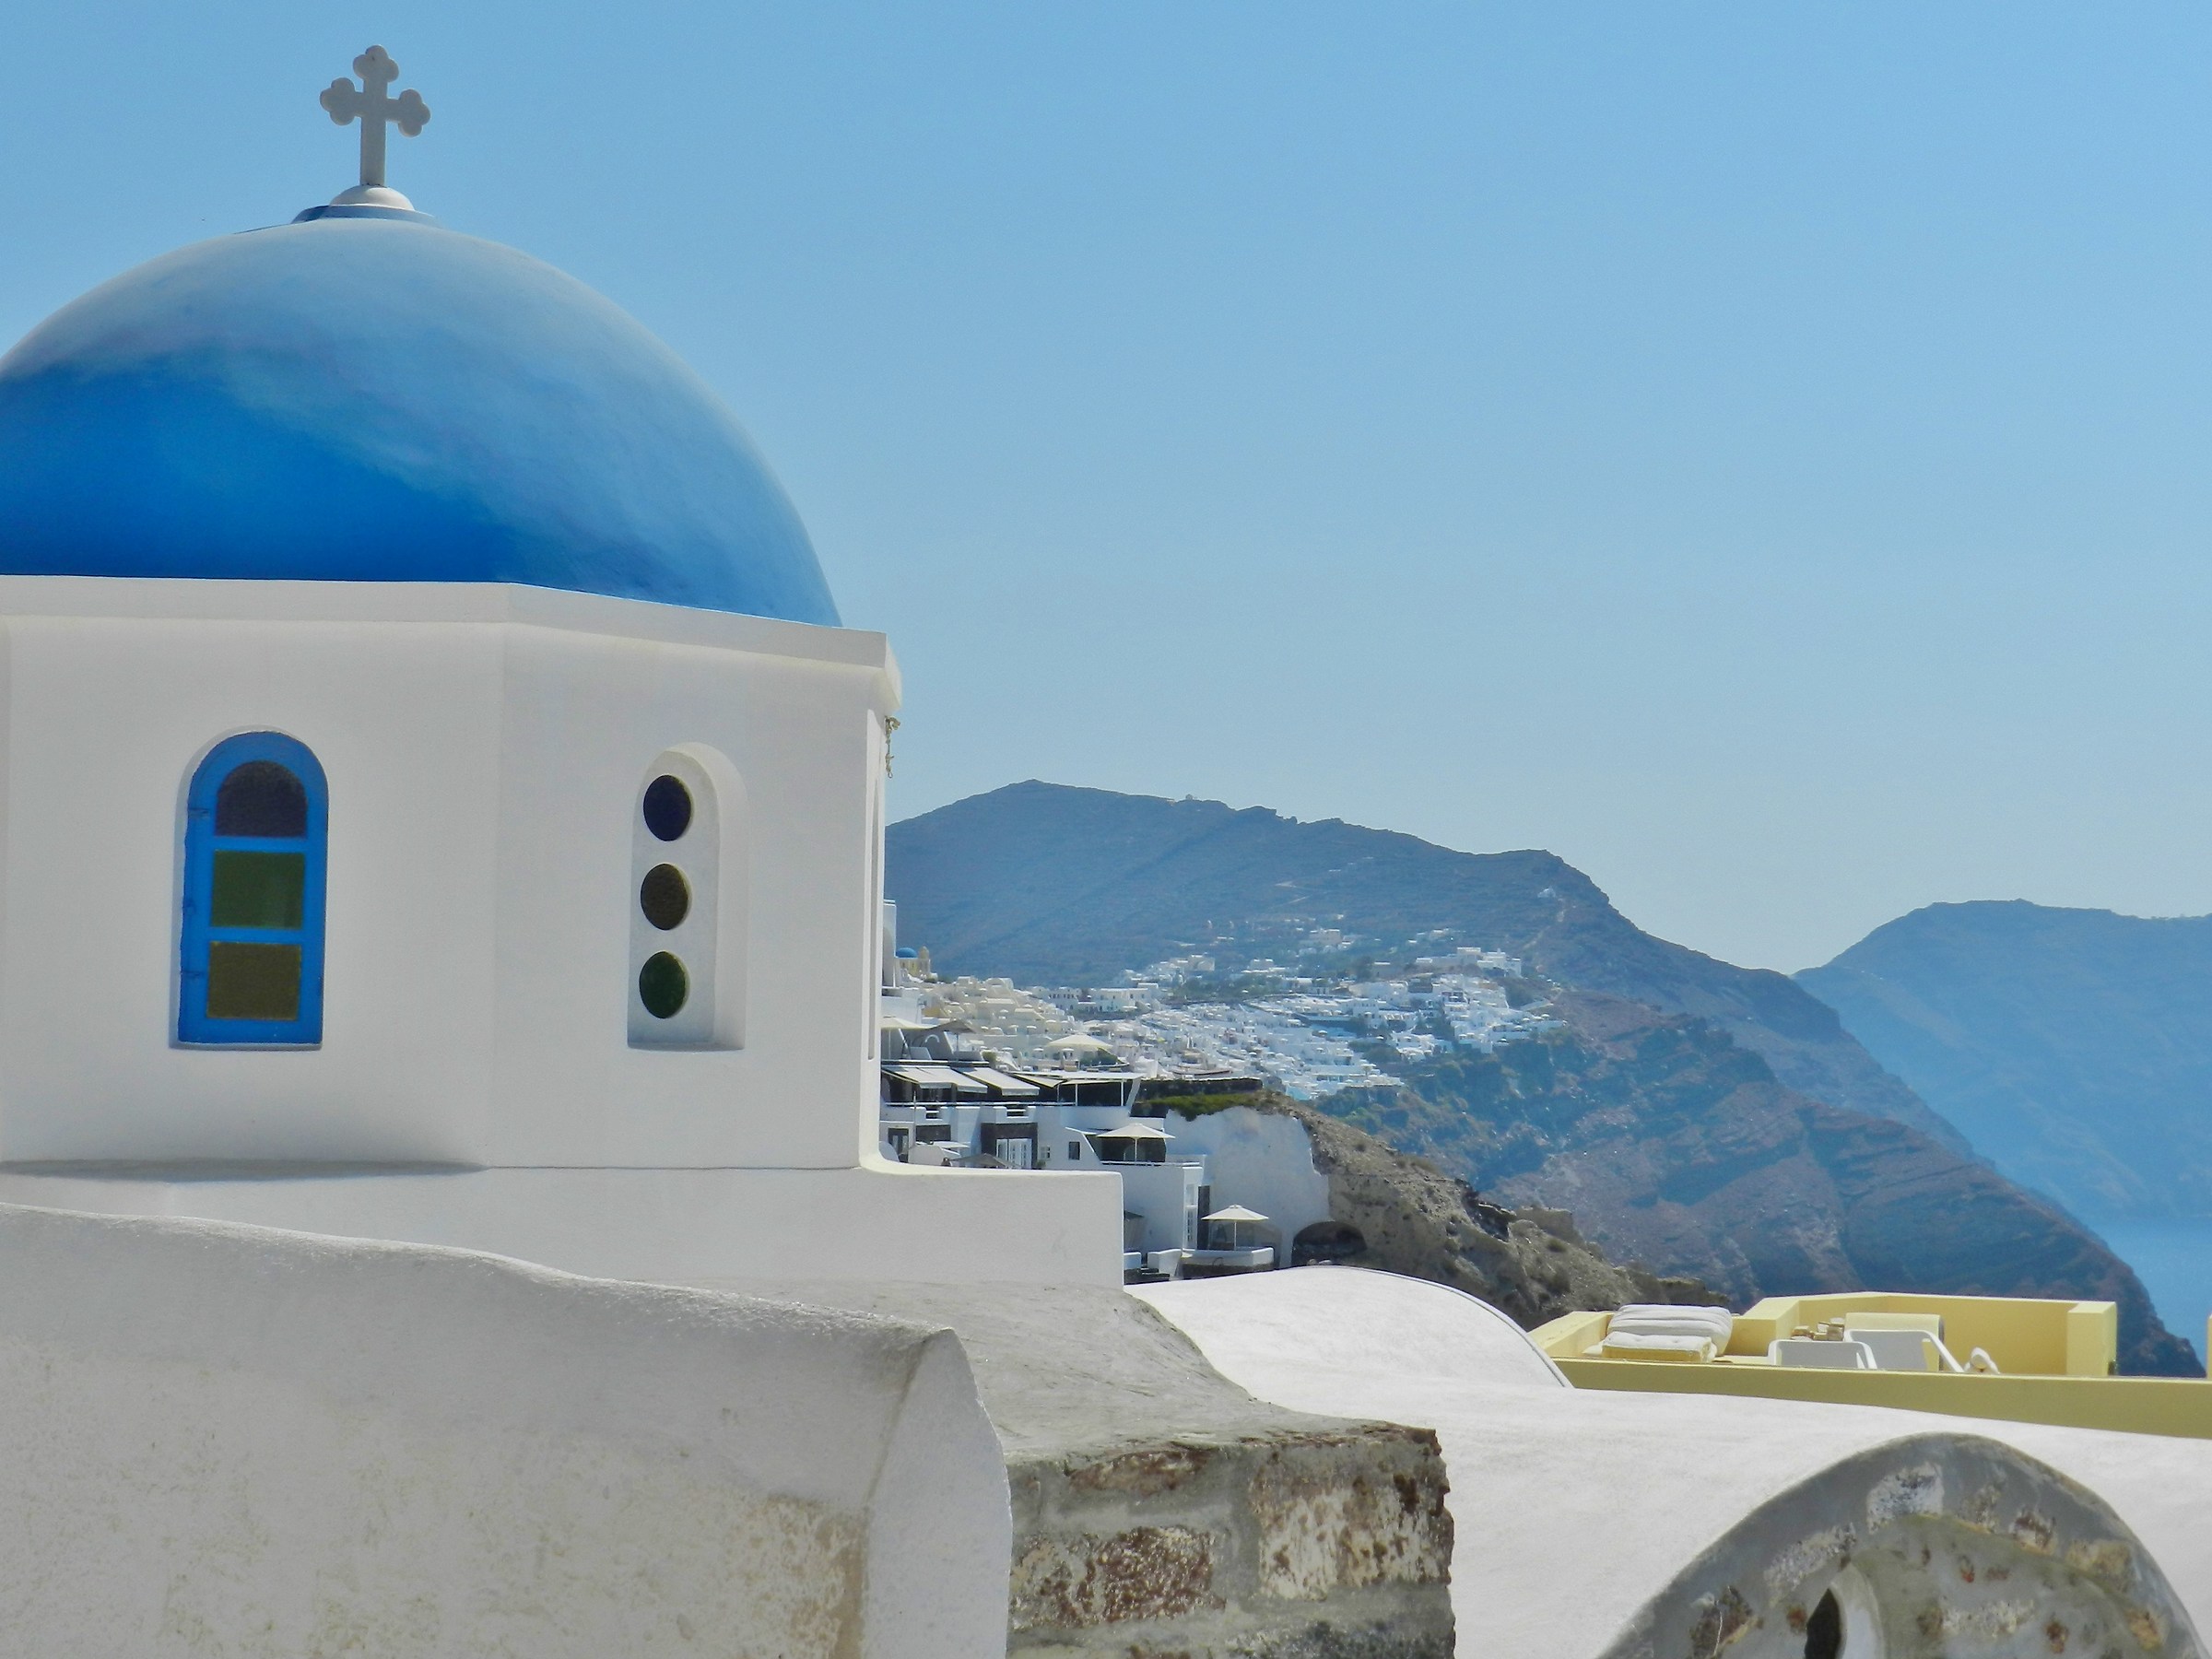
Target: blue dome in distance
[(378, 399)]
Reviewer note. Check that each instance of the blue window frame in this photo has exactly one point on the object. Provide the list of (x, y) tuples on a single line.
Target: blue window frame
[(250, 941)]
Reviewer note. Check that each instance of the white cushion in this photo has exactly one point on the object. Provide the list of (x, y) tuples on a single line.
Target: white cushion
[(1651, 1319), (1639, 1346)]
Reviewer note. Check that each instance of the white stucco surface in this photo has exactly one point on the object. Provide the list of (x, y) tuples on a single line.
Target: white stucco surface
[(1261, 1160), (1547, 1479), (1336, 1327), (887, 1221), (485, 747), (222, 1440)]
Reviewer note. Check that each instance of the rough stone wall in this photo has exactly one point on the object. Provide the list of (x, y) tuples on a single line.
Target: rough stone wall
[(1933, 1546), (1160, 1511), (1314, 1544)]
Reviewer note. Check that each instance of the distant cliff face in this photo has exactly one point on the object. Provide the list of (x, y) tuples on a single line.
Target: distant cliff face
[(1410, 1216), (2074, 1048), (1676, 1149), (1052, 886), (1702, 1118)]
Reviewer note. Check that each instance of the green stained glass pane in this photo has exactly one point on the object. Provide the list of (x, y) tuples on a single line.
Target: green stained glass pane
[(259, 889), (663, 985), (252, 981)]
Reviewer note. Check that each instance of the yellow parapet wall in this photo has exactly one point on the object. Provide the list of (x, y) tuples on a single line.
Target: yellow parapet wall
[(2027, 1337), (2057, 1359)]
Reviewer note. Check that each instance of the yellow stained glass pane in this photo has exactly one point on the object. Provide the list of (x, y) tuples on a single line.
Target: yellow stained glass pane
[(252, 981), (259, 889)]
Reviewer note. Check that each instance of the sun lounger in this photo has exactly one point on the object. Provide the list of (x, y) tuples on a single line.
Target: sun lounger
[(1820, 1354)]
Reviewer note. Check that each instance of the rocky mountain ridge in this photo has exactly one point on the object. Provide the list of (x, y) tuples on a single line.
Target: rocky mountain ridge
[(1706, 1119), (2073, 1047), (1406, 1214), (1057, 885), (1678, 1149)]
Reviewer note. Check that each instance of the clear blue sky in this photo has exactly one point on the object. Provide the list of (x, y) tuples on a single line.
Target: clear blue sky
[(1757, 453)]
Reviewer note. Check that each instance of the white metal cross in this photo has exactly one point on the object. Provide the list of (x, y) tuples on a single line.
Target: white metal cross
[(369, 103)]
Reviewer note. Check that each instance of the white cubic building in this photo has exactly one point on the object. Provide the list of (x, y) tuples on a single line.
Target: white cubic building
[(437, 798)]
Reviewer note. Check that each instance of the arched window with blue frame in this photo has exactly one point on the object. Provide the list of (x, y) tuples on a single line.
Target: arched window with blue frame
[(257, 819)]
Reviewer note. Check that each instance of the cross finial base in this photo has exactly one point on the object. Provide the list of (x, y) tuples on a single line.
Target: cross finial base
[(371, 196)]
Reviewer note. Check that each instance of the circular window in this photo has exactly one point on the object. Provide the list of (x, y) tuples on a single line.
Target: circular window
[(663, 985), (665, 896), (668, 807)]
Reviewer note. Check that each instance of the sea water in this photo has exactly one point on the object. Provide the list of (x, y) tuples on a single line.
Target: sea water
[(2173, 1259)]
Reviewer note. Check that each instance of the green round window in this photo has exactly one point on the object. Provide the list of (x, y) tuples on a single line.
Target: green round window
[(663, 985), (665, 896)]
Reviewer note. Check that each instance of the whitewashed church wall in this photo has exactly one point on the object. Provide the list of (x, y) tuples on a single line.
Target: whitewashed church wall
[(482, 781), (585, 717), (106, 720), (484, 748), (225, 1440)]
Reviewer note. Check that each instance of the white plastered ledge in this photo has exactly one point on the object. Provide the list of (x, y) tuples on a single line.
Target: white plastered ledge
[(886, 1222), (225, 1440)]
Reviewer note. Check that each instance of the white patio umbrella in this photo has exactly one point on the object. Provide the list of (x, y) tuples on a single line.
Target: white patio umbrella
[(1234, 1216)]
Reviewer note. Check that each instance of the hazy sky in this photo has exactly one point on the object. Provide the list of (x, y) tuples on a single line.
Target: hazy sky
[(1757, 452)]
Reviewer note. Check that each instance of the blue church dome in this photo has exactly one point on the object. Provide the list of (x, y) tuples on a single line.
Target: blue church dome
[(378, 399)]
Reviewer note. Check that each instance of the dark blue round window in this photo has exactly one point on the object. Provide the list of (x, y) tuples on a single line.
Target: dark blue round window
[(668, 807)]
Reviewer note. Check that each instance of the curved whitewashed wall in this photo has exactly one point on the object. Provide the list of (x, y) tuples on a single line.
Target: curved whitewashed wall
[(1261, 1160), (1716, 1523), (1323, 1326), (216, 1439)]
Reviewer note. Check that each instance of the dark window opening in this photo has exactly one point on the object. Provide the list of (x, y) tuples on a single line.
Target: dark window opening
[(1824, 1630), (261, 798), (663, 985), (667, 808), (665, 896), (1327, 1243)]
